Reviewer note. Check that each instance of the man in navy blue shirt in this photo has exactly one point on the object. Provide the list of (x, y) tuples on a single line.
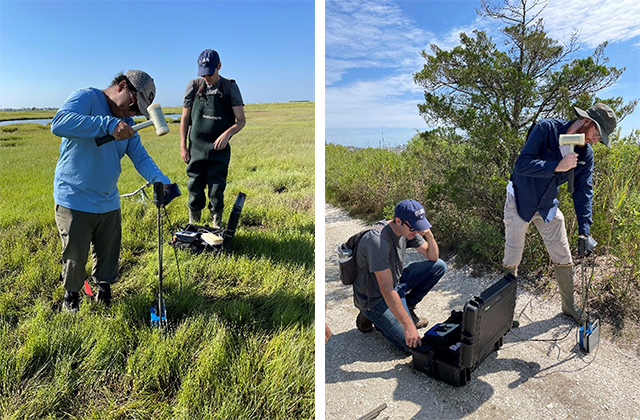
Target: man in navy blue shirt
[(533, 190)]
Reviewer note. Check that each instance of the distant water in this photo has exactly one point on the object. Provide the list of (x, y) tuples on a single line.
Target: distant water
[(375, 137), (45, 121)]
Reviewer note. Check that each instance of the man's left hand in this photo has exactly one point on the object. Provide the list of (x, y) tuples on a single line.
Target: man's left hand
[(221, 142), (586, 245)]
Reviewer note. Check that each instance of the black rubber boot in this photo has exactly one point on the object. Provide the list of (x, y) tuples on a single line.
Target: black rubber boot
[(71, 301), (104, 294)]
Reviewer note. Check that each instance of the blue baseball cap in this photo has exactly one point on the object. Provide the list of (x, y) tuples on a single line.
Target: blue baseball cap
[(208, 61), (412, 212)]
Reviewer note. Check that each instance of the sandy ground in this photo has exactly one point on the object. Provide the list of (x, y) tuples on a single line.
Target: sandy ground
[(535, 379)]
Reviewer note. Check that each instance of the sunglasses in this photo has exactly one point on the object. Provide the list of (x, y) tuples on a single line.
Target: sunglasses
[(409, 226), (133, 106)]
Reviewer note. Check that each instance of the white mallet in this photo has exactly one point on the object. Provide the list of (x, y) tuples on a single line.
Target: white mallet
[(156, 118)]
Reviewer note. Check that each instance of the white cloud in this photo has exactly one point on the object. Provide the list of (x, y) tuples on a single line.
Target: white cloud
[(379, 44), (369, 34), (363, 34), (596, 21), (388, 102)]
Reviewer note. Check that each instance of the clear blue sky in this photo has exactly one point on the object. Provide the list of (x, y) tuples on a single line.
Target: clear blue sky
[(50, 48), (373, 49)]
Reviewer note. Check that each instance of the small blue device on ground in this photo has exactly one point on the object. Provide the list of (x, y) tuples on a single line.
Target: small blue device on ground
[(158, 321), (589, 336)]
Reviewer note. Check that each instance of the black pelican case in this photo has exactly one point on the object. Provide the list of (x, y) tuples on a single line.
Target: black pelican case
[(451, 350)]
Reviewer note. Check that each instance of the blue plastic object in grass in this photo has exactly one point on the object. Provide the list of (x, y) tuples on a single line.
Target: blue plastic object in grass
[(159, 321)]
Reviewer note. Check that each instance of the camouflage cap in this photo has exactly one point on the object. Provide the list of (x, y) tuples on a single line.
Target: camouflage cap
[(143, 83), (604, 117)]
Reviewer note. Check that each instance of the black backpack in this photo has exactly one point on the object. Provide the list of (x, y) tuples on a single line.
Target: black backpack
[(347, 255)]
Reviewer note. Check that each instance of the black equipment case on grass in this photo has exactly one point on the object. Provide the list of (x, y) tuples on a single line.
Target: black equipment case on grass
[(451, 350), (197, 238)]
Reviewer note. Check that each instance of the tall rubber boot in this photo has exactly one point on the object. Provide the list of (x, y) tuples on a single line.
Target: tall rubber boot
[(216, 219), (564, 276), (194, 216)]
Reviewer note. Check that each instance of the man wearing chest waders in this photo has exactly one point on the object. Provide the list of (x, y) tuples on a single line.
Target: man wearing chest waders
[(212, 112)]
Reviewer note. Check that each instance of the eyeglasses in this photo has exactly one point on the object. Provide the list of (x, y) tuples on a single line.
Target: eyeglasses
[(409, 226)]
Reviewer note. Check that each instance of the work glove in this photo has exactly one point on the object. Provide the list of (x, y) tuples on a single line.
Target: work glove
[(171, 191), (164, 194), (586, 244)]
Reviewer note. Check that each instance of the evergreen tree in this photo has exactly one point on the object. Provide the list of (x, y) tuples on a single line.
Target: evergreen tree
[(494, 95)]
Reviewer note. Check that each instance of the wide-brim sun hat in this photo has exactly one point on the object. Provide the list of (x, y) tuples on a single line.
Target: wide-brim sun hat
[(604, 118)]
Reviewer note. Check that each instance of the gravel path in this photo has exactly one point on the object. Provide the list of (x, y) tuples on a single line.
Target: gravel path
[(535, 379)]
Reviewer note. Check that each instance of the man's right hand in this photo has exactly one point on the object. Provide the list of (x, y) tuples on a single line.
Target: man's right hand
[(123, 131), (412, 337), (567, 163), (393, 301)]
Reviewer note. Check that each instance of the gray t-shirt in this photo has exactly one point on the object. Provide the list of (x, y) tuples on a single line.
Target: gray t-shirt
[(378, 251), (193, 86)]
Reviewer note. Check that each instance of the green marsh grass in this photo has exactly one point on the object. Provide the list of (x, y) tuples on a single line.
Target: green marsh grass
[(240, 343)]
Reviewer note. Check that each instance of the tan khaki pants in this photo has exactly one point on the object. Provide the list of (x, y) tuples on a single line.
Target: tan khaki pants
[(553, 234), (80, 231)]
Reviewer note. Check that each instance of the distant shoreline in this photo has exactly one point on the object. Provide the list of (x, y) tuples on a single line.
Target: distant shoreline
[(48, 113)]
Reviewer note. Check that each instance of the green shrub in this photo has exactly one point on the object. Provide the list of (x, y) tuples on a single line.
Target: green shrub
[(463, 189)]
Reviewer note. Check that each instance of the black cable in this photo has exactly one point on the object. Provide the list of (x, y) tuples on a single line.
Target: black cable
[(545, 339), (586, 286), (555, 340), (540, 339), (171, 226)]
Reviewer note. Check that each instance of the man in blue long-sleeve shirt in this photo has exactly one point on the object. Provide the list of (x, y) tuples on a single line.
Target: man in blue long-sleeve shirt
[(85, 191), (533, 190)]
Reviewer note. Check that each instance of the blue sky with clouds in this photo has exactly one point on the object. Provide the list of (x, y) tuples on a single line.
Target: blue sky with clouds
[(373, 49), (50, 48)]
